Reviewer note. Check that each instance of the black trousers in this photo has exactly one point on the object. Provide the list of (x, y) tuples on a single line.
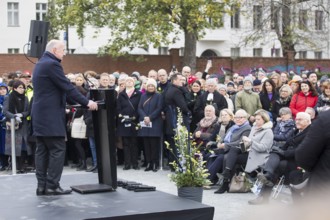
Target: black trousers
[(151, 148), (130, 150), (234, 157), (49, 159), (80, 149)]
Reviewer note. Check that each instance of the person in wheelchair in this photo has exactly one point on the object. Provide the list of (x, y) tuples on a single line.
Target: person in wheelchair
[(281, 160)]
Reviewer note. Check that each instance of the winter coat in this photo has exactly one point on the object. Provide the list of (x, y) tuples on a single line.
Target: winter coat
[(291, 145), (280, 103), (128, 106), (151, 105), (20, 133), (236, 137), (206, 132), (300, 102), (191, 105), (313, 154), (283, 131), (213, 136), (2, 123), (268, 104), (219, 102), (261, 143), (174, 99), (250, 102), (323, 104), (51, 90)]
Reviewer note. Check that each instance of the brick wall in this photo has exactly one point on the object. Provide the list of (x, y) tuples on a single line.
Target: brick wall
[(81, 63)]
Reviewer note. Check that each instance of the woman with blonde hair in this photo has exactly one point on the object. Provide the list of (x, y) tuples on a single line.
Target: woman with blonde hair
[(276, 78), (283, 100)]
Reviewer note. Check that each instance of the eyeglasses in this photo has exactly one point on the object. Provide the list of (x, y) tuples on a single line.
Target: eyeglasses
[(238, 117), (284, 91)]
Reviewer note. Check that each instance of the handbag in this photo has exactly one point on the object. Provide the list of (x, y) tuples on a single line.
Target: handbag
[(239, 183), (78, 129)]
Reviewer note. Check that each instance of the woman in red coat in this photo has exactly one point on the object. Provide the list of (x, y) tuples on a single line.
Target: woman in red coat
[(306, 96)]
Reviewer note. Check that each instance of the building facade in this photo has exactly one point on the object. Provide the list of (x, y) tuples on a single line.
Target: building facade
[(251, 31)]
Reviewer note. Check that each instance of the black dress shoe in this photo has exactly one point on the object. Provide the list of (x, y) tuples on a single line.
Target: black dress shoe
[(40, 191), (136, 167), (92, 169), (57, 191)]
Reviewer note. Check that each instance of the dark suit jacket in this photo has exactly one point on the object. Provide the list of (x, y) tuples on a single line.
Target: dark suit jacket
[(51, 88), (313, 154)]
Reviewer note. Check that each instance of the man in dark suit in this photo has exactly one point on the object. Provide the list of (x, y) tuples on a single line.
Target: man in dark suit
[(51, 88)]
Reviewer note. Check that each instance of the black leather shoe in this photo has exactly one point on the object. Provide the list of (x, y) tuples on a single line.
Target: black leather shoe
[(57, 191), (223, 188), (40, 191), (136, 167), (92, 169)]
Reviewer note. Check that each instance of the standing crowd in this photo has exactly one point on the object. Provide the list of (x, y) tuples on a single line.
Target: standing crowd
[(270, 114)]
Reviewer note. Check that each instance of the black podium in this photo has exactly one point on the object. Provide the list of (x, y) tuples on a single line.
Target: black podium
[(104, 121)]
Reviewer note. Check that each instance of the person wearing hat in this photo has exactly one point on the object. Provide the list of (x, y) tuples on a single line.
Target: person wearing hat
[(151, 124), (127, 109), (247, 99), (257, 86), (3, 157)]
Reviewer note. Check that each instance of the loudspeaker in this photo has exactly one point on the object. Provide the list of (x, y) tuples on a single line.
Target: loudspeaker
[(38, 38)]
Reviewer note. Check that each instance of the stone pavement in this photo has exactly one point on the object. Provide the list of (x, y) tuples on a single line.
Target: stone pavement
[(228, 206)]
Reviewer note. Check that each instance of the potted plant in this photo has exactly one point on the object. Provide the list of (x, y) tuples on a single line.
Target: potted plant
[(190, 174)]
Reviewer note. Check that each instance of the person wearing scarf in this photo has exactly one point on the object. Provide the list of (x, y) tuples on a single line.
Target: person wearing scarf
[(283, 100), (231, 148), (16, 106), (206, 126)]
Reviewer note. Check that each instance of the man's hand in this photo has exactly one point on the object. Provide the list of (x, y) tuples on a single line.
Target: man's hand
[(198, 134), (92, 105)]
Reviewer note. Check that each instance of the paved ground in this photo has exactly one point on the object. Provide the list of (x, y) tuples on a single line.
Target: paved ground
[(227, 206)]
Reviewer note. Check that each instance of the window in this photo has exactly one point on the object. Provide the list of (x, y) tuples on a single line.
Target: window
[(274, 17), (302, 54), (257, 17), (234, 19), (318, 20), (12, 14), (13, 50), (257, 52), (163, 50), (41, 11), (216, 21), (235, 52), (276, 52), (318, 54), (303, 19)]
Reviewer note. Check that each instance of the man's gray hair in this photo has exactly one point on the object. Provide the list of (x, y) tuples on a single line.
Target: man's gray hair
[(51, 44), (305, 116)]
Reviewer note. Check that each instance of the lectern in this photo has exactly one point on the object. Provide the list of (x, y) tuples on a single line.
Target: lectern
[(104, 121)]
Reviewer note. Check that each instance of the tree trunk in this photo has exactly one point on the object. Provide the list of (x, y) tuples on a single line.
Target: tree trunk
[(189, 57), (286, 37)]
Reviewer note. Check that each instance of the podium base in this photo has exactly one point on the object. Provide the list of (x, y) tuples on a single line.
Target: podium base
[(92, 188)]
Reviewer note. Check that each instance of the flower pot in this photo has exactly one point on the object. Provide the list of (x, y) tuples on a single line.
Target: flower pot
[(193, 193)]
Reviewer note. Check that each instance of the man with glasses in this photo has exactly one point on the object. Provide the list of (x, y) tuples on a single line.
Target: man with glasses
[(51, 88)]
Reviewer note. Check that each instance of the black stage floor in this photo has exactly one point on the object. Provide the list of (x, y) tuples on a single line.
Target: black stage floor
[(18, 201)]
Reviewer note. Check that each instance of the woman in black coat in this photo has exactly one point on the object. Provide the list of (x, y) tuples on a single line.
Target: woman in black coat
[(323, 102), (16, 105), (283, 100), (195, 92), (268, 97), (150, 107), (127, 109)]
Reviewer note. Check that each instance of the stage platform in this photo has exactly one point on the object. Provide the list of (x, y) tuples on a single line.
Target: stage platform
[(19, 201)]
